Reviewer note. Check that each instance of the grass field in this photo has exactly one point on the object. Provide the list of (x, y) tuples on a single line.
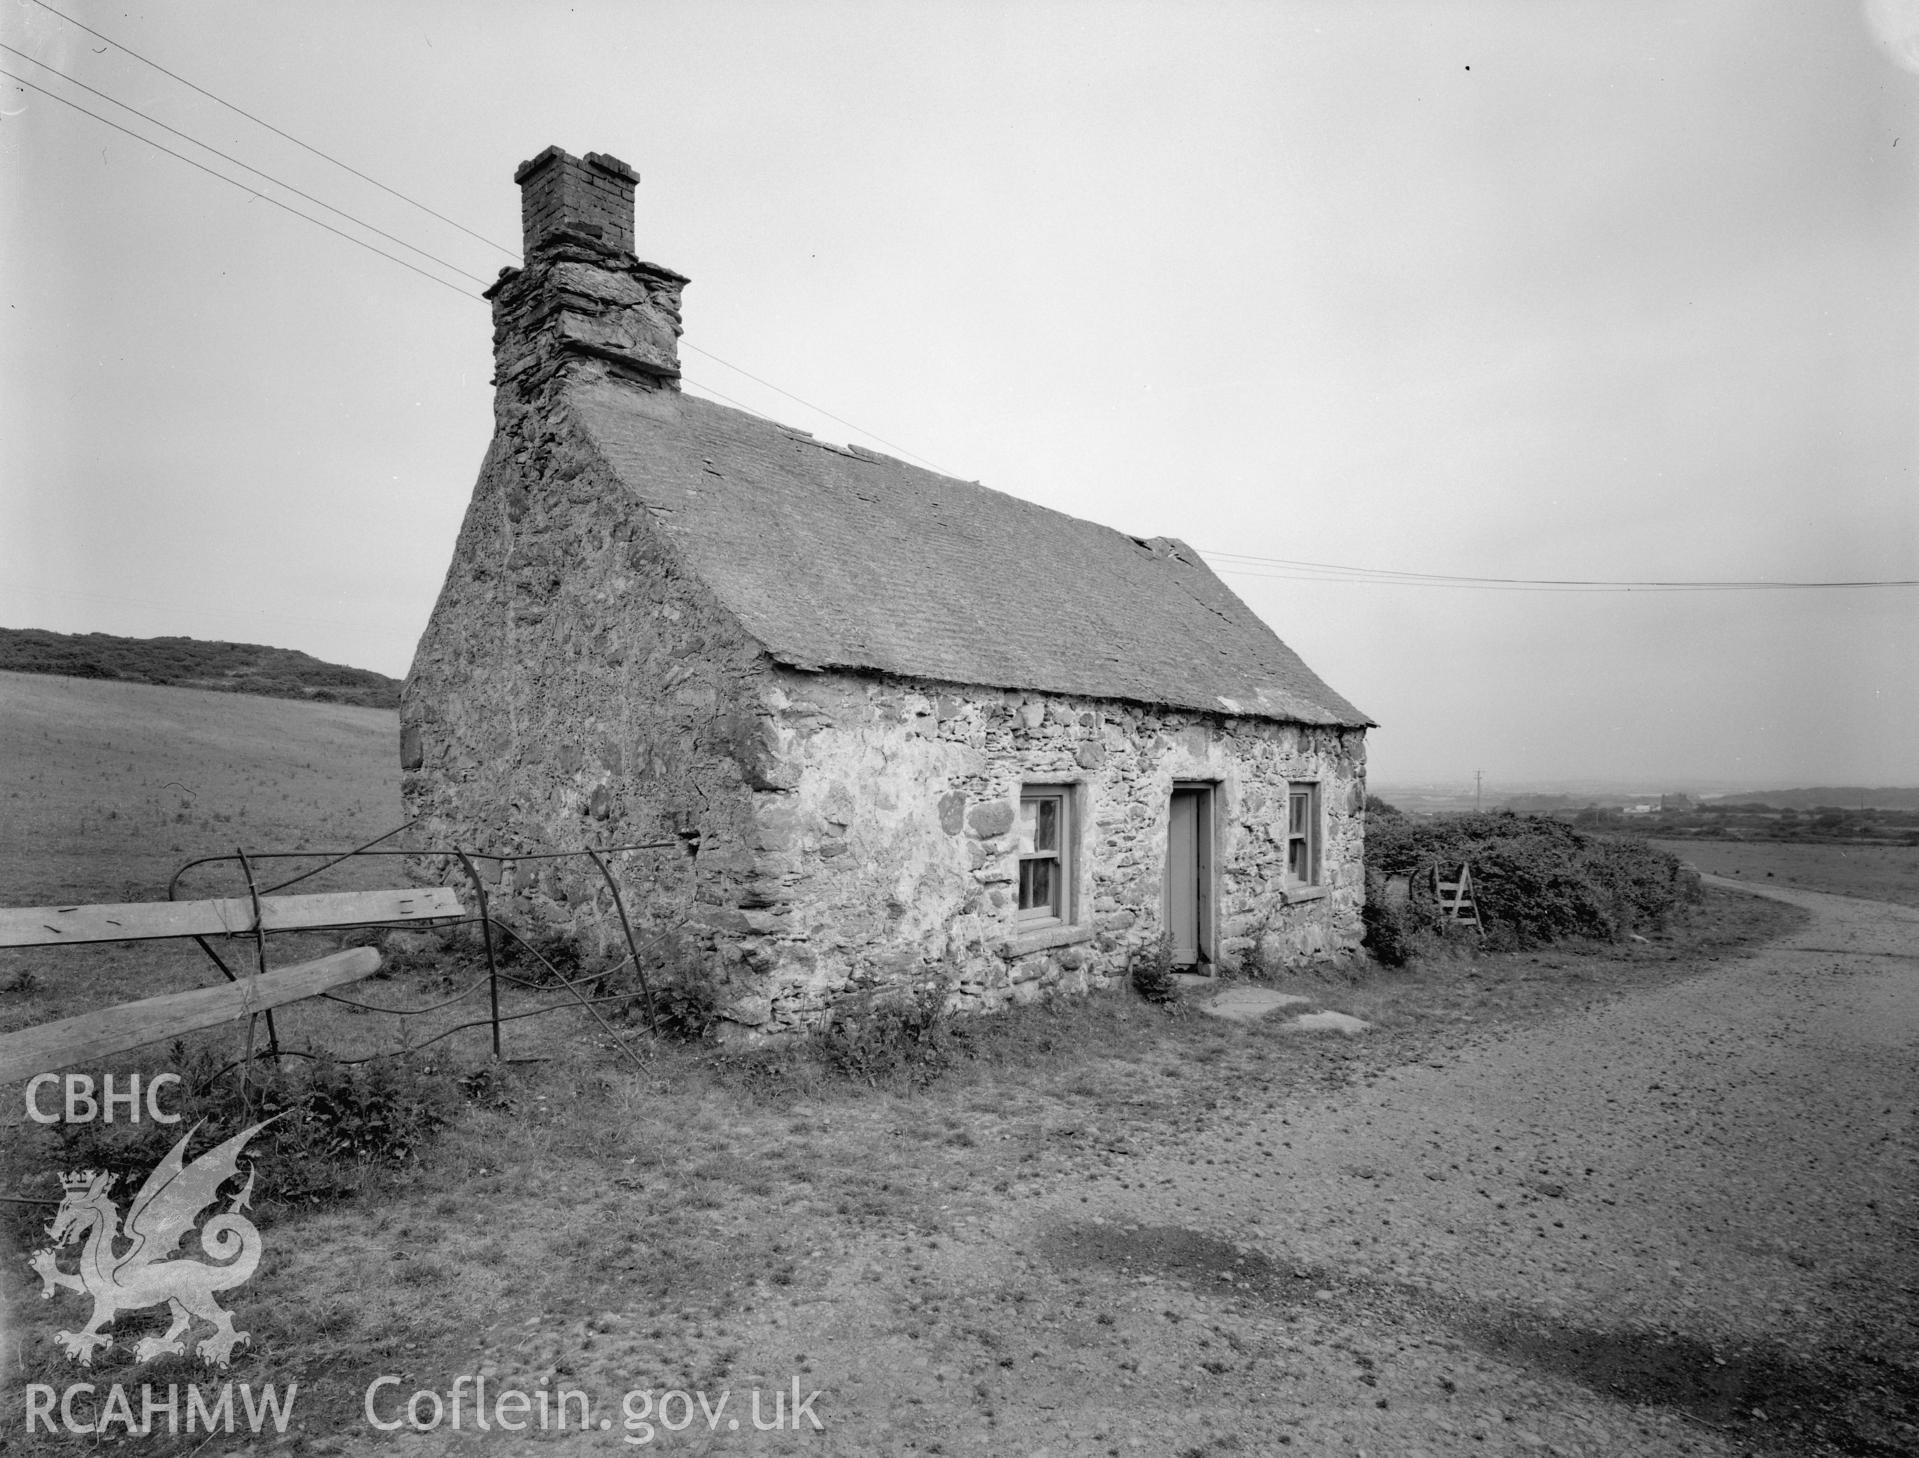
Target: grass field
[(1879, 873), (105, 788), (686, 1221)]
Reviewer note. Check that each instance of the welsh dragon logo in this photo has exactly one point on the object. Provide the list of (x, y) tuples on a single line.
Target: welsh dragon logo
[(148, 1271)]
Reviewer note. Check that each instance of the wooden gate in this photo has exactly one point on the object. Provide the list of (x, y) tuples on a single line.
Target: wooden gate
[(1455, 896)]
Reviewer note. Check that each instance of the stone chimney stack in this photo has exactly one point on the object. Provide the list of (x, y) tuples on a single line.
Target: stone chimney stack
[(582, 304)]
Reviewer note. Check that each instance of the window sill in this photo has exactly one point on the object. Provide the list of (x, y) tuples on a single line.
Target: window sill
[(1296, 894), (1045, 938)]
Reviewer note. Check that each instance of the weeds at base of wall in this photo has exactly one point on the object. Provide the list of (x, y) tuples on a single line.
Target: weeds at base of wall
[(900, 1041), (1151, 973), (544, 959), (907, 1046), (909, 1040), (685, 1010)]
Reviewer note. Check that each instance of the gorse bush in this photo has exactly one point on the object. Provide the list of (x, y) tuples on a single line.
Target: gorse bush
[(1388, 932), (1535, 880)]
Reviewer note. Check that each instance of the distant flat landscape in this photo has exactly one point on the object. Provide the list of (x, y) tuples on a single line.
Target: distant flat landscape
[(240, 668), (1553, 797), (1876, 872)]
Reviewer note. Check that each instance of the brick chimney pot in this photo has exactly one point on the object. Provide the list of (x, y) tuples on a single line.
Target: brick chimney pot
[(590, 196)]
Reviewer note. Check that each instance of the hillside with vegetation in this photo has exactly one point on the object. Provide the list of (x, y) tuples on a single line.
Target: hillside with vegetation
[(240, 668)]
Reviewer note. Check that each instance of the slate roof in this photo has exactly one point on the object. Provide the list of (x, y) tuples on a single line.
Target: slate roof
[(837, 558)]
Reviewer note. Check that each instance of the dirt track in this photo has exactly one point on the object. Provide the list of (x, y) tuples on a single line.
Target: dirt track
[(1703, 1194)]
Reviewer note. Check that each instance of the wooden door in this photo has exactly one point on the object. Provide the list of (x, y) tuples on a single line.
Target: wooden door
[(1189, 835)]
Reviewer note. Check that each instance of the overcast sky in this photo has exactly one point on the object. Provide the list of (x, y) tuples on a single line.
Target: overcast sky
[(1613, 291)]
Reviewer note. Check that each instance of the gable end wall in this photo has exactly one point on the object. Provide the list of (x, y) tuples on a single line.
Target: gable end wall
[(575, 688)]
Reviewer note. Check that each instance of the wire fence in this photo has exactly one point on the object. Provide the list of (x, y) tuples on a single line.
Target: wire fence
[(495, 936)]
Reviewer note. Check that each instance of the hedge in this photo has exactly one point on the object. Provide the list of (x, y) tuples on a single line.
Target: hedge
[(1535, 880)]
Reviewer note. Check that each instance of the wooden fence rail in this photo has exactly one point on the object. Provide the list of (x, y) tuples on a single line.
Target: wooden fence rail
[(112, 1030), (106, 1031), (41, 926)]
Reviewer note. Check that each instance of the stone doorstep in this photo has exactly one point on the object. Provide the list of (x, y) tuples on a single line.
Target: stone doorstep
[(1328, 1022), (1243, 1004), (1240, 1003)]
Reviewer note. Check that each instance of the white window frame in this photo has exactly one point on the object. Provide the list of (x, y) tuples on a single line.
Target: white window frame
[(1059, 912), (1307, 836)]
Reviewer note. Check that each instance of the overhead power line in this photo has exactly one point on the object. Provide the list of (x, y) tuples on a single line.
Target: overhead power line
[(451, 267), (811, 406), (226, 157), (1245, 565), (235, 182), (722, 395), (1235, 563), (512, 253), (739, 404)]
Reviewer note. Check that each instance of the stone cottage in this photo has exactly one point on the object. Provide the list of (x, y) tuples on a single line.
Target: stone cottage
[(890, 727)]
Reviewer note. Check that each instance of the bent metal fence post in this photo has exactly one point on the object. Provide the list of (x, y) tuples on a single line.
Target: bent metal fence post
[(260, 948), (486, 937), (632, 947)]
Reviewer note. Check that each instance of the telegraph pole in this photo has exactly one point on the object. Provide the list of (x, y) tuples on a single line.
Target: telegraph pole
[(1476, 776)]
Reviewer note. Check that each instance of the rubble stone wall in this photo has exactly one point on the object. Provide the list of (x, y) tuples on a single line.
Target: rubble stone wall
[(892, 860)]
